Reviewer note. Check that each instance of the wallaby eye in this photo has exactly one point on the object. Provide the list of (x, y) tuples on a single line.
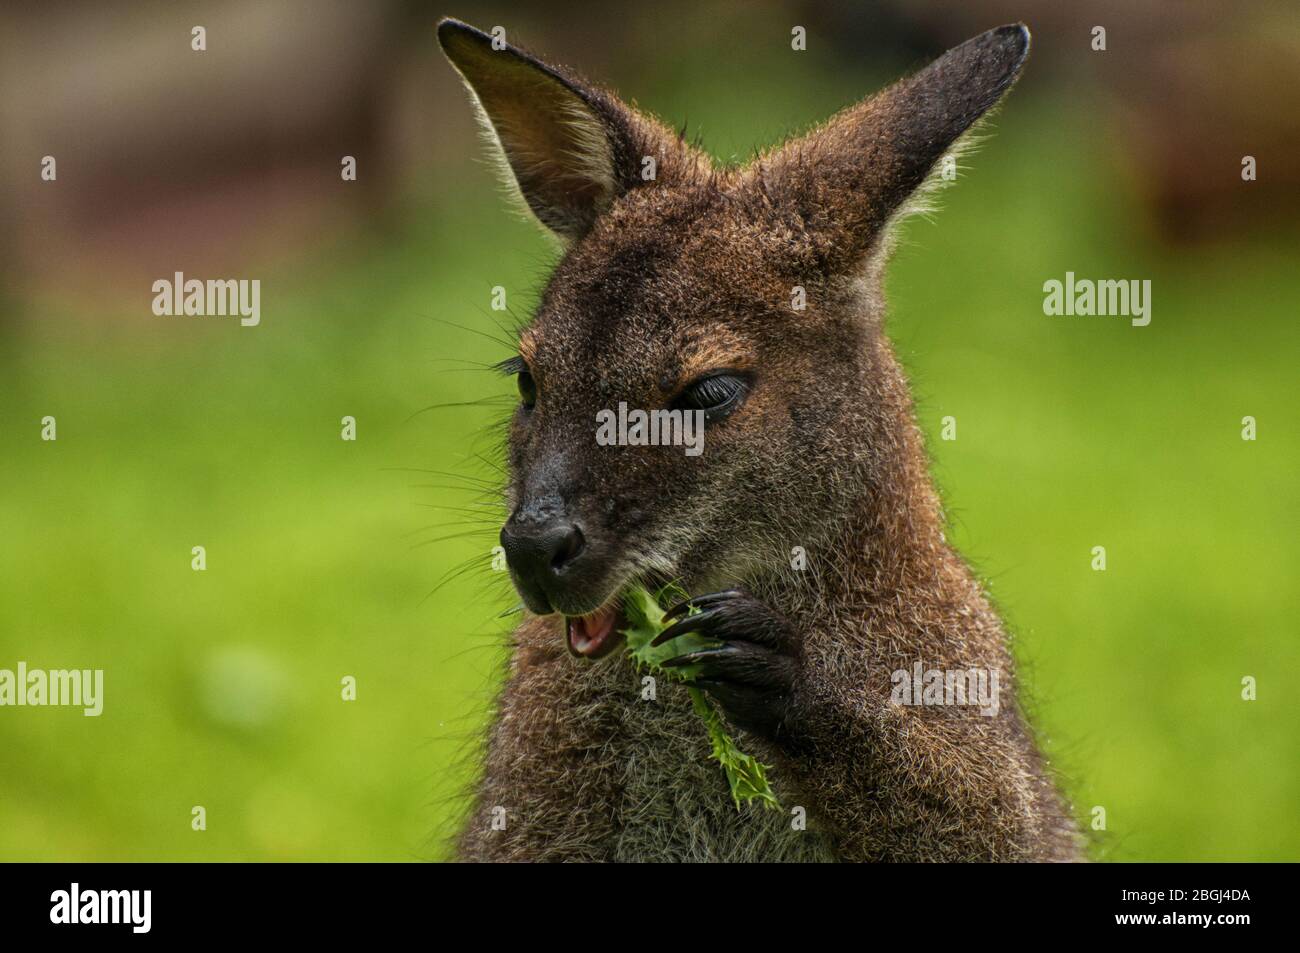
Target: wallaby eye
[(527, 389), (717, 395)]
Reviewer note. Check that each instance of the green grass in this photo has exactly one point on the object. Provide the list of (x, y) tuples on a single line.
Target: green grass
[(223, 687)]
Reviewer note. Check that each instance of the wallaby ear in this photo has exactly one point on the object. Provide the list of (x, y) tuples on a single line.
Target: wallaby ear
[(571, 148), (849, 177)]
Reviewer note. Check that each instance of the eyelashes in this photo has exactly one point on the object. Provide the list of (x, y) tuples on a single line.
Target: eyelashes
[(718, 395), (511, 366)]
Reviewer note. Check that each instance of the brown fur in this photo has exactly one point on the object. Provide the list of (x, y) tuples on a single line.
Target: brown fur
[(661, 281)]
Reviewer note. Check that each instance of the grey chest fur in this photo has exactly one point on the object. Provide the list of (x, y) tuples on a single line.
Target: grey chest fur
[(675, 804)]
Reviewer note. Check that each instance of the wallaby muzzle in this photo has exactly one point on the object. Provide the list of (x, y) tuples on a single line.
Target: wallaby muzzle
[(544, 550)]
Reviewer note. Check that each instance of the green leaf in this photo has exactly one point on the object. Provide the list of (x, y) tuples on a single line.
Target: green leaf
[(746, 775)]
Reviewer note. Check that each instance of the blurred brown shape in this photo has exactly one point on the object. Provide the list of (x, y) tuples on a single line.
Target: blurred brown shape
[(173, 159)]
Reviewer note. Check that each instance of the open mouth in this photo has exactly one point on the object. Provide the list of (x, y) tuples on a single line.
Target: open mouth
[(593, 636)]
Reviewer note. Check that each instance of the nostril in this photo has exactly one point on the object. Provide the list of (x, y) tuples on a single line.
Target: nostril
[(569, 547), (539, 556)]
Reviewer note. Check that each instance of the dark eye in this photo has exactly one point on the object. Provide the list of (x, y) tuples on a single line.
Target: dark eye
[(527, 389), (717, 395)]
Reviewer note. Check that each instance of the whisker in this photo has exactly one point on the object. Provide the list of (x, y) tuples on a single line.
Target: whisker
[(478, 402), (509, 345), (443, 539)]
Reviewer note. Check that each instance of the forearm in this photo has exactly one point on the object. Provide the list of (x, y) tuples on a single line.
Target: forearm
[(925, 783)]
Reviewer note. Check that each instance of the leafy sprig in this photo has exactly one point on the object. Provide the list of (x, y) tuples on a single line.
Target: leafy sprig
[(746, 775)]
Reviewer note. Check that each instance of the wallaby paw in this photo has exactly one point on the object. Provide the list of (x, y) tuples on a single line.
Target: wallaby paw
[(752, 673)]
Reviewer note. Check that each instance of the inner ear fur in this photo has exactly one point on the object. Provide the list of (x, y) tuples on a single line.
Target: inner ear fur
[(571, 148)]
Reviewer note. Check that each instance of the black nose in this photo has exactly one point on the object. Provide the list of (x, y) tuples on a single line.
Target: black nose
[(538, 555)]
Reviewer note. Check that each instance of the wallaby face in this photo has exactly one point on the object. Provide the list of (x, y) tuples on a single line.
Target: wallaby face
[(677, 298), (754, 278), (750, 294)]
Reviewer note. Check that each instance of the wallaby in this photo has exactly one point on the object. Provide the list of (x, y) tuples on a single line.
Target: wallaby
[(678, 289)]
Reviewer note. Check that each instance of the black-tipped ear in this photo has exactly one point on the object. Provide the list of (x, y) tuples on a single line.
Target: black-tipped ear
[(932, 109), (852, 174), (571, 148)]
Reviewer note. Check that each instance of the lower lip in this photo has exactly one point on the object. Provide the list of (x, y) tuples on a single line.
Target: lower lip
[(595, 635)]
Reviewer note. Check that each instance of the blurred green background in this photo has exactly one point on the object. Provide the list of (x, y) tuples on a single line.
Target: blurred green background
[(371, 558)]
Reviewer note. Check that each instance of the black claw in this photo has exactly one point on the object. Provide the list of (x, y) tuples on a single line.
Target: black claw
[(677, 660), (703, 655), (689, 624), (678, 609), (699, 603)]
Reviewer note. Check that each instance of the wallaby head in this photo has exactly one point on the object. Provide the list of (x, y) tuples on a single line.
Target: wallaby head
[(748, 292)]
